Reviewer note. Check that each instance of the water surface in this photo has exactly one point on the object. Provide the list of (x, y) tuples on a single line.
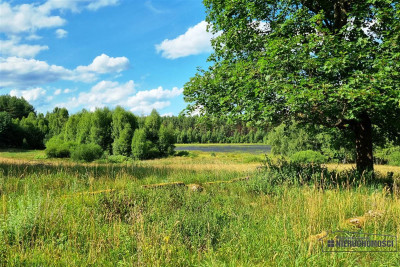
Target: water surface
[(253, 149)]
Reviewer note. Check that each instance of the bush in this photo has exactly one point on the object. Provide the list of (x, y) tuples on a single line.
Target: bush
[(390, 155), (141, 147), (118, 159), (394, 158), (166, 140), (87, 152), (308, 156), (58, 148)]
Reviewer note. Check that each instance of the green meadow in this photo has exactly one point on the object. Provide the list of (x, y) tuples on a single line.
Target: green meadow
[(61, 213)]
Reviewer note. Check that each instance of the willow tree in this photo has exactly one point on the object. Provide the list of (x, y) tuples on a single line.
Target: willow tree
[(331, 63)]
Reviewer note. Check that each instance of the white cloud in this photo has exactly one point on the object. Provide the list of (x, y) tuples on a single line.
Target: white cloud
[(145, 101), (13, 48), (106, 64), (31, 17), (33, 37), (26, 18), (29, 95), (102, 94), (108, 93), (168, 114), (20, 72), (57, 92), (94, 5), (61, 33), (195, 40)]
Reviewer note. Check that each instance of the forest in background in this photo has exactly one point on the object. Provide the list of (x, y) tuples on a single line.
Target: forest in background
[(119, 133)]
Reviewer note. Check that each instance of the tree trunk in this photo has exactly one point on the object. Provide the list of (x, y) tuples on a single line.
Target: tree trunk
[(363, 133)]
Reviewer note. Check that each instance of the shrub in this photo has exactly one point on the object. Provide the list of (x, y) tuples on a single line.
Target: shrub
[(394, 158), (141, 147), (118, 159), (308, 156), (182, 153), (87, 152), (166, 140), (58, 148)]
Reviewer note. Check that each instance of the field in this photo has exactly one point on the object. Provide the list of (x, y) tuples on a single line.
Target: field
[(60, 213)]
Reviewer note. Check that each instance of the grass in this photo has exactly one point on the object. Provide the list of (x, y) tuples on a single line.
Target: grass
[(60, 213)]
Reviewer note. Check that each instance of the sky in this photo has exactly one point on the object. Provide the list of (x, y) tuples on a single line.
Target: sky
[(95, 53)]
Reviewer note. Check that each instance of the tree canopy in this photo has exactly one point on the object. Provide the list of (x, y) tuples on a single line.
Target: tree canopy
[(15, 107), (333, 63)]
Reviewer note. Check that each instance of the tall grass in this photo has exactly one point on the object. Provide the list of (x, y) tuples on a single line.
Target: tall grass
[(60, 215)]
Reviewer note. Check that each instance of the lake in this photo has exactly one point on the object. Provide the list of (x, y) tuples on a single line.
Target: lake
[(253, 149)]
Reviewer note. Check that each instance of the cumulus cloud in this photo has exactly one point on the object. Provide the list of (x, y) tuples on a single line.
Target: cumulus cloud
[(20, 72), (108, 93), (30, 95), (195, 40), (145, 101), (13, 48), (31, 17), (106, 64), (26, 17), (61, 33), (57, 92), (102, 94)]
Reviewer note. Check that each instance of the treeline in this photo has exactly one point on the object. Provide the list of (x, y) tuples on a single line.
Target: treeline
[(85, 134), (22, 127), (88, 135), (195, 129)]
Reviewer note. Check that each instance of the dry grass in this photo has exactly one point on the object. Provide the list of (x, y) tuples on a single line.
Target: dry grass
[(383, 169)]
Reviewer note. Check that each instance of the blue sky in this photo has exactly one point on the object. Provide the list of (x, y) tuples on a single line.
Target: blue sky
[(94, 53)]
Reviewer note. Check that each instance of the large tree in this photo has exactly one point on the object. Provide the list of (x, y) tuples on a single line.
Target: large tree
[(334, 63)]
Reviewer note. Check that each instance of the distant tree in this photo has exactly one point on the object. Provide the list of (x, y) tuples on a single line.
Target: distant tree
[(15, 107), (56, 119), (70, 131), (167, 140), (123, 125), (152, 126), (5, 129), (100, 132), (34, 130), (141, 147), (84, 126)]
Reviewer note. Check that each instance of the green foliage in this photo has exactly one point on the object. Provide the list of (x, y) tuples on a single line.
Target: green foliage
[(394, 158), (5, 128), (288, 139), (100, 132), (118, 159), (86, 152), (152, 126), (56, 147), (122, 145), (123, 125), (56, 121), (312, 61), (34, 130), (15, 107), (141, 147), (308, 156), (83, 127), (166, 140)]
